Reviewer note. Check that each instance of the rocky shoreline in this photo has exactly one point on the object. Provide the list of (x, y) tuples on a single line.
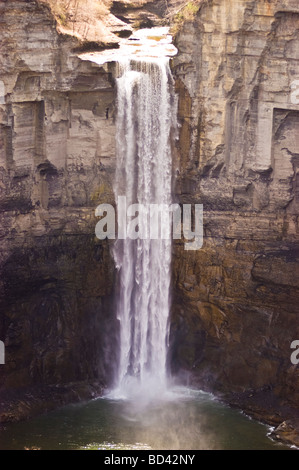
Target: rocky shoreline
[(266, 408), (22, 405)]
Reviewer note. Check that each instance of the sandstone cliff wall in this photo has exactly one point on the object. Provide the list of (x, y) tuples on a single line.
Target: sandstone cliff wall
[(56, 161), (235, 309), (235, 301)]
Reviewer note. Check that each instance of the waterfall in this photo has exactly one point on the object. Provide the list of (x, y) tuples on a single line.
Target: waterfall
[(145, 117)]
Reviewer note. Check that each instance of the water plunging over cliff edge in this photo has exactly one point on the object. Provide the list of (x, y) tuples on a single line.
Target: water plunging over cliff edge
[(146, 114), (143, 175)]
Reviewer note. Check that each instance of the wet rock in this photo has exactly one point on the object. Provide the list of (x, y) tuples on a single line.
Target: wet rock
[(56, 163), (288, 432), (235, 303)]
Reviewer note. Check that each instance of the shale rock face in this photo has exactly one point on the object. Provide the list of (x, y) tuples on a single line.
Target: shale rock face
[(56, 156), (57, 162), (146, 13), (235, 301), (235, 309)]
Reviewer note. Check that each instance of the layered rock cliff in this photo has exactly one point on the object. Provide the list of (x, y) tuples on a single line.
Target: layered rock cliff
[(235, 301), (56, 159), (235, 308)]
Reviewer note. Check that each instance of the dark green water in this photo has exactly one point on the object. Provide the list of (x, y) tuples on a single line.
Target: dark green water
[(185, 419)]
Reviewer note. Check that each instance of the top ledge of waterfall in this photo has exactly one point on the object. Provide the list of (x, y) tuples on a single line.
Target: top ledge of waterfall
[(145, 116), (153, 42)]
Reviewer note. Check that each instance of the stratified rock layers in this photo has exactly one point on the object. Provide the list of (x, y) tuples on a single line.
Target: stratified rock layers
[(56, 159), (235, 306), (235, 301)]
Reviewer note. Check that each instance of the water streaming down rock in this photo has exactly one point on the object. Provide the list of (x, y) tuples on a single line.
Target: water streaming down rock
[(145, 117)]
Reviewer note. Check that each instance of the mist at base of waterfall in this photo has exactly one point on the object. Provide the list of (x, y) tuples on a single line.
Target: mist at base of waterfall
[(150, 389), (180, 419)]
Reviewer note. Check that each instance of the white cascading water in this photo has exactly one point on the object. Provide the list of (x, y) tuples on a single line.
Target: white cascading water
[(145, 116)]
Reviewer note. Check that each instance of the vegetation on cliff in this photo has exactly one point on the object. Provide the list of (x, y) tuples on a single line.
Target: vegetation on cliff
[(186, 13)]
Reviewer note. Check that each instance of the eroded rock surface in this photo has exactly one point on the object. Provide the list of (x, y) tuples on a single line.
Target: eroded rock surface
[(235, 309), (56, 161), (235, 301)]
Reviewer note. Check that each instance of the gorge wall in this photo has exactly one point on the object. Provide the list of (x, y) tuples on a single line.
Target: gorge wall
[(56, 159), (235, 301), (235, 308)]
